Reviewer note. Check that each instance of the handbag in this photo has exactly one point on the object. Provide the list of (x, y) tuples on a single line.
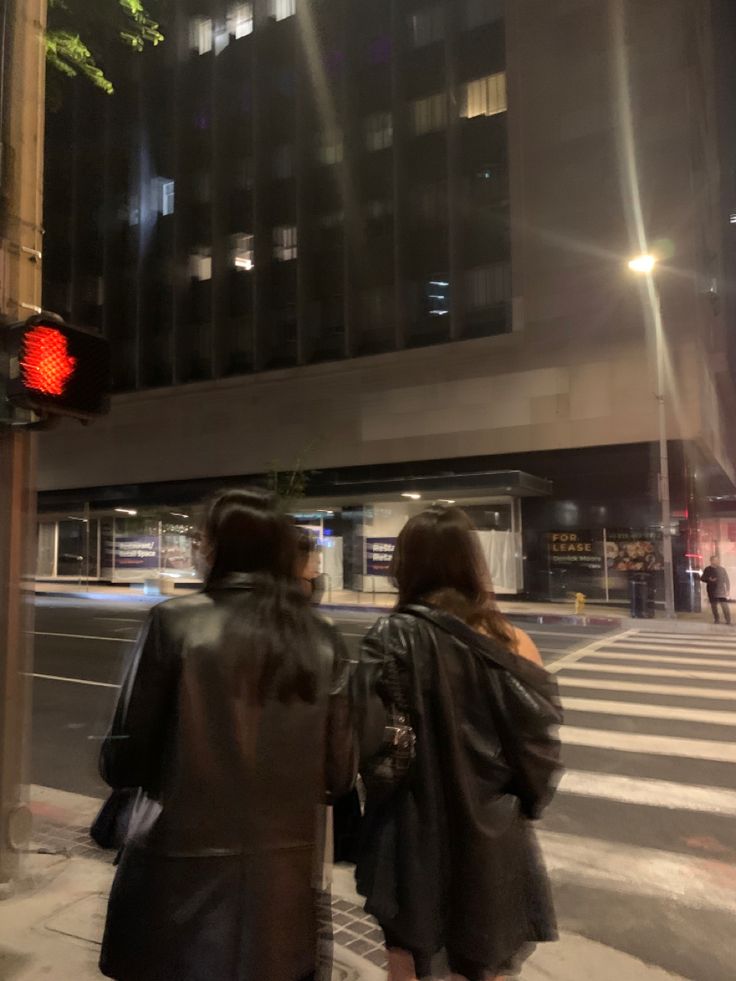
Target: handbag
[(110, 827), (388, 769)]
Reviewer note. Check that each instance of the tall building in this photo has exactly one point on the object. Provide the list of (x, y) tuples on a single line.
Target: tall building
[(389, 240)]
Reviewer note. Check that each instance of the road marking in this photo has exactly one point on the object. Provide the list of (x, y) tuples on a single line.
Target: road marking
[(685, 644), (715, 637), (642, 686), (573, 658), (650, 792), (639, 710), (683, 673), (138, 620), (664, 659), (694, 882), (657, 650), (110, 640), (634, 742), (73, 681)]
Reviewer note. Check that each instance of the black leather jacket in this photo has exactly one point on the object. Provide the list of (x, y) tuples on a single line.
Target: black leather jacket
[(450, 859), (217, 879)]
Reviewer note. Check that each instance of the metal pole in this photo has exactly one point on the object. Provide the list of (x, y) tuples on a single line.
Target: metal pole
[(605, 564), (22, 95), (664, 463)]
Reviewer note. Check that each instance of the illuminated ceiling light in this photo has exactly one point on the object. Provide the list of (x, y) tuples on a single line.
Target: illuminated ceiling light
[(126, 511), (642, 263), (441, 501), (178, 514), (412, 496)]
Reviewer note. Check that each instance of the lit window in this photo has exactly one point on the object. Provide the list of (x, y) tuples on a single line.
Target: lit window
[(163, 191), (281, 9), (429, 114), (330, 147), (243, 256), (240, 20), (479, 12), (488, 285), (427, 26), (437, 292), (284, 243), (732, 218), (379, 130), (484, 96), (200, 34), (200, 266)]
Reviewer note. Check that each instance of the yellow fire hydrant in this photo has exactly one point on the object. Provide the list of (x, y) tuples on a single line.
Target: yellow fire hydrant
[(580, 602)]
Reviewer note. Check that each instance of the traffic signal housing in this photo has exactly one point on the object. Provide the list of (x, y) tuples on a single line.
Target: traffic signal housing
[(58, 370)]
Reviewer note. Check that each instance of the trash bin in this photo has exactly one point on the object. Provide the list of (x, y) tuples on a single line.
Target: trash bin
[(642, 596)]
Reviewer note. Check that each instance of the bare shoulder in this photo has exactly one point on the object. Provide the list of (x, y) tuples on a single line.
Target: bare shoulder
[(525, 647)]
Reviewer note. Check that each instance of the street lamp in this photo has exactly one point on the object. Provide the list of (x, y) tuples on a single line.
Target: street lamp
[(644, 265)]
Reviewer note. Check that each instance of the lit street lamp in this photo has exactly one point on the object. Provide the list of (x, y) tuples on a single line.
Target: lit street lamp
[(645, 265)]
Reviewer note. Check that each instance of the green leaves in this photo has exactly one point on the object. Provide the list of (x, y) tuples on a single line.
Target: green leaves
[(79, 29)]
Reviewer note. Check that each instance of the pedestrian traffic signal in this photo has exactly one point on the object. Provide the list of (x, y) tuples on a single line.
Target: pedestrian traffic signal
[(55, 369)]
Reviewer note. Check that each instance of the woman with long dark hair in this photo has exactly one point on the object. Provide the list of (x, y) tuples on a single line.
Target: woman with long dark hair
[(235, 722), (449, 865)]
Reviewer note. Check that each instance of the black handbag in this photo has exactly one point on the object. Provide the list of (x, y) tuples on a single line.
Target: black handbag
[(389, 768), (110, 827)]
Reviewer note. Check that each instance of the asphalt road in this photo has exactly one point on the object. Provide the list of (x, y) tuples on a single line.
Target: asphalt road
[(80, 649)]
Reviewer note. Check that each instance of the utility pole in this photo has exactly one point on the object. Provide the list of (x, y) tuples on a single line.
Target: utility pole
[(22, 100)]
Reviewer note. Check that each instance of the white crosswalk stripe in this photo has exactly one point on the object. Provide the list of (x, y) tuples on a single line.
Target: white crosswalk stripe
[(648, 716)]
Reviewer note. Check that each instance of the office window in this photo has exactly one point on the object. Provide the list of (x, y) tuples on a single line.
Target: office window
[(240, 19), (487, 285), (281, 9), (243, 256), (285, 243), (200, 266), (379, 130), (200, 34), (430, 203), (330, 147), (430, 114), (437, 294), (426, 26), (334, 219), (283, 162), (484, 96), (163, 195), (479, 12)]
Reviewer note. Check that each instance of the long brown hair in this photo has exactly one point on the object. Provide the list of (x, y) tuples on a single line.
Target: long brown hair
[(438, 560)]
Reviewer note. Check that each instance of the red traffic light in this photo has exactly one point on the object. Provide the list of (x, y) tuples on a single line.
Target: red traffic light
[(55, 369), (46, 366)]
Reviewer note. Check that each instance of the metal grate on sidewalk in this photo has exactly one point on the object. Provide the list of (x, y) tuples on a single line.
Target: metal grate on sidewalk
[(353, 928)]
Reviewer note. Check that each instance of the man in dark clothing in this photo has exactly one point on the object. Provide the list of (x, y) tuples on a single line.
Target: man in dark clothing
[(716, 579)]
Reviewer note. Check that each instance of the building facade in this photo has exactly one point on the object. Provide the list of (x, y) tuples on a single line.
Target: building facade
[(387, 243)]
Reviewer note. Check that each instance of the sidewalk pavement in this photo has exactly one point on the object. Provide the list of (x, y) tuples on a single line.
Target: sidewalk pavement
[(51, 923), (349, 601)]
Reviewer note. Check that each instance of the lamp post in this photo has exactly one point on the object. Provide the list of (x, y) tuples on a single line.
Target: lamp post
[(644, 265)]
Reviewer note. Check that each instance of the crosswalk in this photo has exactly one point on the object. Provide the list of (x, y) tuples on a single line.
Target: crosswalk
[(646, 805)]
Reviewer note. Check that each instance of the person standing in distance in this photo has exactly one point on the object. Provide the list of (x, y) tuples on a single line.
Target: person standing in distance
[(717, 583)]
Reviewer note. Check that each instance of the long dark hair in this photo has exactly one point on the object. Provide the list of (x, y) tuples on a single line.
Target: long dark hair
[(246, 531), (438, 560)]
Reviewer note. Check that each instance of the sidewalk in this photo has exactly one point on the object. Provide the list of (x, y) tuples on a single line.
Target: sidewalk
[(50, 927), (348, 601)]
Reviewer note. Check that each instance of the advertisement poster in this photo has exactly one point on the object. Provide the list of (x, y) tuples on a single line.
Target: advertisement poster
[(575, 548), (132, 552), (379, 552), (629, 550)]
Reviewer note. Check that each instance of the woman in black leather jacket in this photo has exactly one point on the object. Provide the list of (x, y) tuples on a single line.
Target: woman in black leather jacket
[(449, 863), (235, 721)]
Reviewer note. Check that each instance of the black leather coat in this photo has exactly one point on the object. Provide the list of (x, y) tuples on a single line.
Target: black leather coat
[(450, 860), (220, 875)]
